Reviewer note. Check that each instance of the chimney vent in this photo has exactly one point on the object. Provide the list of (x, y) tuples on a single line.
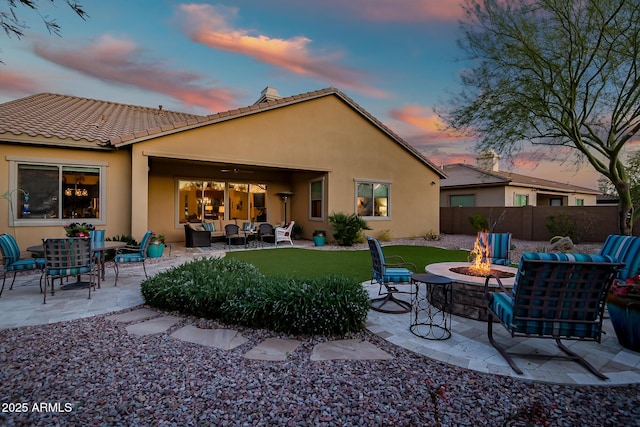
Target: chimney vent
[(268, 94), (489, 161)]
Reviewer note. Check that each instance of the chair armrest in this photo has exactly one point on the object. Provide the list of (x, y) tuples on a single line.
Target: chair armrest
[(128, 248), (401, 264), (487, 290)]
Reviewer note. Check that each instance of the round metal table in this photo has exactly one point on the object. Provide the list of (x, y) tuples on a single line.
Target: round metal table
[(428, 321)]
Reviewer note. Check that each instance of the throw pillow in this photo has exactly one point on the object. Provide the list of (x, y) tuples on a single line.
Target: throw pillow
[(209, 226)]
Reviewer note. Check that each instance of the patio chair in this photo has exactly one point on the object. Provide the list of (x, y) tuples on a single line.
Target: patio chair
[(266, 234), (556, 296), (12, 261), (133, 254), (499, 247), (232, 236), (283, 234), (98, 256), (624, 249), (68, 257), (387, 275)]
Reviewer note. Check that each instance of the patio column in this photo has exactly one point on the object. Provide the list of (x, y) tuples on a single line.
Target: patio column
[(139, 193)]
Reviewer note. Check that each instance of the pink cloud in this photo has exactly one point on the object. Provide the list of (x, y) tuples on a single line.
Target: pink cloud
[(426, 121), (120, 61), (407, 11), (17, 83), (211, 26)]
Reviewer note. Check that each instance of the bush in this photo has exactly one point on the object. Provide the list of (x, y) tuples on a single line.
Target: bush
[(348, 228), (479, 222), (384, 235), (562, 224), (236, 292)]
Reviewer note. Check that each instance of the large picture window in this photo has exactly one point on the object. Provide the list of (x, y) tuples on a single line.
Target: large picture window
[(209, 200), (56, 191), (372, 199)]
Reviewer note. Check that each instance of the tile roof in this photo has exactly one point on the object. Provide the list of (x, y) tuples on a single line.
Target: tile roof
[(463, 175), (111, 124), (51, 115)]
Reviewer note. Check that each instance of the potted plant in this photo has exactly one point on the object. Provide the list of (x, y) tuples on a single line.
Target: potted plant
[(319, 237), (156, 246), (296, 232), (76, 229), (623, 304)]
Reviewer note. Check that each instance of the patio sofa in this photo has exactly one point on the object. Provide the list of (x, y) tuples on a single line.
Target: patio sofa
[(197, 234)]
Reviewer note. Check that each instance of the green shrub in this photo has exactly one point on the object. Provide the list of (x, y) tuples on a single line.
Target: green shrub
[(562, 224), (347, 228), (479, 222), (384, 235), (236, 292)]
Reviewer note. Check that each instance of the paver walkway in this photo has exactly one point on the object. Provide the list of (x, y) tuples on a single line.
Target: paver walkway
[(144, 321)]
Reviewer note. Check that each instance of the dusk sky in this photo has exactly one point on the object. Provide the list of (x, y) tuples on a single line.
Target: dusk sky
[(398, 59)]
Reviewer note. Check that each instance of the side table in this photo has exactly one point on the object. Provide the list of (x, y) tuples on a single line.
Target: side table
[(427, 320)]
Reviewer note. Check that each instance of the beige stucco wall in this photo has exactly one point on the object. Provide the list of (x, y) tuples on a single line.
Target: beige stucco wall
[(322, 137), (117, 198)]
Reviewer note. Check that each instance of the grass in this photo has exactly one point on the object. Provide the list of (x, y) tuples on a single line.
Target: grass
[(300, 263)]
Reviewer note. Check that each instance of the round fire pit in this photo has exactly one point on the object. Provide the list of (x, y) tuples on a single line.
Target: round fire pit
[(468, 291)]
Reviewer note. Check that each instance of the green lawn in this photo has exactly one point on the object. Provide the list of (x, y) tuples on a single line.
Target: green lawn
[(357, 264)]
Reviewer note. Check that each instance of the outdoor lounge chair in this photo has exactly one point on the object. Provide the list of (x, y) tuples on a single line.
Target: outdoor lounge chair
[(557, 296), (624, 249), (68, 257), (132, 254), (12, 261), (387, 275), (233, 237), (266, 234), (283, 234), (499, 247)]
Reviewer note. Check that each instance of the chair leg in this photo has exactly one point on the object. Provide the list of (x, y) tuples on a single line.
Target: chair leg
[(13, 280), (573, 356), (145, 270), (378, 303), (115, 266), (501, 350), (4, 277)]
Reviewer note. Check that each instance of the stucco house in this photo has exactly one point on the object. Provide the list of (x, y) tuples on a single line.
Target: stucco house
[(128, 168), (485, 185)]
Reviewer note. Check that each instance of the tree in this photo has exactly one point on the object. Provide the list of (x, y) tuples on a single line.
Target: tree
[(633, 170), (555, 73), (13, 26)]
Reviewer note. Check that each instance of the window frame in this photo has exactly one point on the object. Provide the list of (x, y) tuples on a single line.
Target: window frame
[(14, 195), (373, 182), (311, 199), (519, 195)]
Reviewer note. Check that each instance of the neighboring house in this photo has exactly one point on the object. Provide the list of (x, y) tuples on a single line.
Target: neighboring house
[(486, 185), (128, 168)]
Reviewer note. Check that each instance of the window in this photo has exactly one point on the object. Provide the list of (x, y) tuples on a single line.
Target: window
[(521, 200), (463, 200), (316, 199), (579, 202), (372, 199), (555, 201), (205, 200), (47, 191)]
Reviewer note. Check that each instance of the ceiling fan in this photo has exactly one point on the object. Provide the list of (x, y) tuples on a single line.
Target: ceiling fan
[(235, 170)]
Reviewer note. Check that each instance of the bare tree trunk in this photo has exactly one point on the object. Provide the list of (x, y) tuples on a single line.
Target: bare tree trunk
[(625, 208)]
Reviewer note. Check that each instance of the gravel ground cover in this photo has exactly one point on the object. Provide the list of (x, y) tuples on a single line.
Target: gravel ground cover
[(90, 372)]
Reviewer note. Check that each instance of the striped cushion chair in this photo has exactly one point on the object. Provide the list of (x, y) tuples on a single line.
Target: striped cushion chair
[(67, 257), (98, 256), (130, 254), (555, 295), (499, 247), (625, 249), (386, 275), (12, 261)]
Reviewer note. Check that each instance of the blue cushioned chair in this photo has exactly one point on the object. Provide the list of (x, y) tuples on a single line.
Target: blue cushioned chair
[(98, 256), (130, 254), (499, 247), (67, 257), (12, 261), (387, 274), (625, 249), (557, 296)]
